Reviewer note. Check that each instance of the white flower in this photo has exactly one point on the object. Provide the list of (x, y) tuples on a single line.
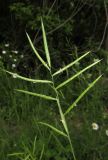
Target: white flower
[(3, 52), (7, 45), (13, 65), (106, 132), (22, 56), (15, 60), (95, 126), (15, 52), (10, 56)]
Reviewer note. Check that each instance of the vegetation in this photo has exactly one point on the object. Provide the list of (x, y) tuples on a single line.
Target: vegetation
[(53, 104)]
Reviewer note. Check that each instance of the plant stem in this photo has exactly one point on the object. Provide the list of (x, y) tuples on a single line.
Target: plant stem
[(62, 115)]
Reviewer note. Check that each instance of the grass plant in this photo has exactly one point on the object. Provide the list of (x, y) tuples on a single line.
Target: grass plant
[(56, 88)]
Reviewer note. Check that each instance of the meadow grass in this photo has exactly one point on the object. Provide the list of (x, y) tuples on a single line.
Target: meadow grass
[(19, 128)]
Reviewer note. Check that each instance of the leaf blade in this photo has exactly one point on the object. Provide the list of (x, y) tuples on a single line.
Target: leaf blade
[(71, 64), (82, 95), (28, 79), (53, 128), (35, 51), (76, 75), (15, 154), (36, 94), (45, 44)]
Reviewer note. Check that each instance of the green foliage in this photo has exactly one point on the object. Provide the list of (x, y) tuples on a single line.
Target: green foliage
[(22, 12), (72, 29), (31, 15)]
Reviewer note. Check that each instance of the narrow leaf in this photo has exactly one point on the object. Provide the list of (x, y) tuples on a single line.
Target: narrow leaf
[(77, 74), (36, 94), (27, 157), (27, 79), (45, 45), (15, 154), (41, 155), (53, 128), (82, 95), (71, 64), (34, 144), (35, 51)]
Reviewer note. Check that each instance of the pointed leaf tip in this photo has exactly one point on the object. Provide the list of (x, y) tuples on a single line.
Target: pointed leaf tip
[(82, 95), (45, 44)]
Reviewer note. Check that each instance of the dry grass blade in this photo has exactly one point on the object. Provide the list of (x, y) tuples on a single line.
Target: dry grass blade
[(82, 95), (36, 94)]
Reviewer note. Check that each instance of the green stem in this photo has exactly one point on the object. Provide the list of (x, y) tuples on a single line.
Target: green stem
[(62, 115), (72, 149)]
